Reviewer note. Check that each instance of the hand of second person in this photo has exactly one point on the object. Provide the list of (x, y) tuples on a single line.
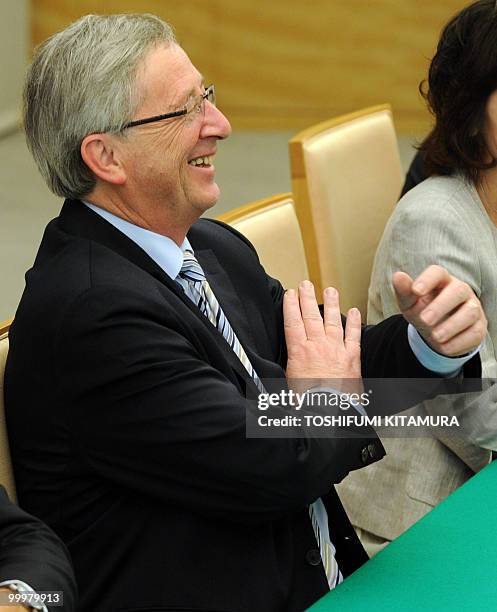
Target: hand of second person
[(319, 349), (443, 309)]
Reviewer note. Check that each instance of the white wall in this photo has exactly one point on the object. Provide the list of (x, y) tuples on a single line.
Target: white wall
[(14, 40)]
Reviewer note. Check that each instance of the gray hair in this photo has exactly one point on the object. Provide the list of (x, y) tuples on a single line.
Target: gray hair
[(81, 81)]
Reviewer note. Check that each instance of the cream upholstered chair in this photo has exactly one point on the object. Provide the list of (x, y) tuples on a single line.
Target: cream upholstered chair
[(346, 178), (6, 474), (272, 227)]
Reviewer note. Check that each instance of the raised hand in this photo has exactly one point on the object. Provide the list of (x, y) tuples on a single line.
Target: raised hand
[(317, 349), (443, 309)]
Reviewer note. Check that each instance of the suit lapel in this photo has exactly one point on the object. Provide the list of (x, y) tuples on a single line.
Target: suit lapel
[(79, 220), (236, 312), (233, 308)]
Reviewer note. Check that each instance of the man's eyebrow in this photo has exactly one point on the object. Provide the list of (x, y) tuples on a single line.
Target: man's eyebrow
[(189, 94), (193, 90)]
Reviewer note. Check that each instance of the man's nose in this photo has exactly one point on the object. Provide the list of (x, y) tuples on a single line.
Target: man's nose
[(215, 123)]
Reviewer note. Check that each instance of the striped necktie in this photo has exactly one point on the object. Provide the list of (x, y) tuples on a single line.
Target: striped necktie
[(192, 279)]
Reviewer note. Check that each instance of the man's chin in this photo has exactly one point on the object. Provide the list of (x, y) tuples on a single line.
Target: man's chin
[(208, 200)]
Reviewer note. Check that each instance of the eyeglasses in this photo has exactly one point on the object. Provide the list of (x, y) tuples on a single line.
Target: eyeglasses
[(194, 105)]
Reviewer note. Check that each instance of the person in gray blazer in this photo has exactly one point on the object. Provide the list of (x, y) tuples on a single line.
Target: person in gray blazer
[(449, 219)]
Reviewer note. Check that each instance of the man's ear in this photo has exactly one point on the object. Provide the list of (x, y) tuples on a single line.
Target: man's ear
[(100, 155)]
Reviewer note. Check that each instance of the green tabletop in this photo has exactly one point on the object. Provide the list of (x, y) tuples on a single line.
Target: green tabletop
[(446, 561)]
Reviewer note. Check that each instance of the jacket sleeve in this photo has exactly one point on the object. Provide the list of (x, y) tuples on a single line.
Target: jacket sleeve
[(32, 553)]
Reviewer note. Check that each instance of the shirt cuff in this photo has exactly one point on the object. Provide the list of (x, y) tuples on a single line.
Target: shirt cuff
[(431, 360), (22, 587)]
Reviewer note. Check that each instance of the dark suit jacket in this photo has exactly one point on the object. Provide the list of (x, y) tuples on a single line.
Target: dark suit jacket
[(30, 551), (136, 452)]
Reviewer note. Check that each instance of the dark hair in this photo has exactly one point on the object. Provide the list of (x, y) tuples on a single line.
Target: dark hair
[(462, 75)]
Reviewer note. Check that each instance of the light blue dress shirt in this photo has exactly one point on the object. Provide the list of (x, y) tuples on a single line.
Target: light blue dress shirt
[(163, 250)]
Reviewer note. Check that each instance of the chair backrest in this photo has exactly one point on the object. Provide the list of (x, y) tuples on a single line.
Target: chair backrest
[(6, 473), (272, 227), (346, 179)]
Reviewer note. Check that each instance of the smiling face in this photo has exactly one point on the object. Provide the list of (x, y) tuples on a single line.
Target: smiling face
[(169, 164)]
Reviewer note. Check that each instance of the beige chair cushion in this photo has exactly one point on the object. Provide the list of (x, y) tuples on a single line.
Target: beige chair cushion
[(6, 474), (275, 233)]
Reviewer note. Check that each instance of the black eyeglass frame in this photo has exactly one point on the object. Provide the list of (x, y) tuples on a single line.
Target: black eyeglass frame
[(208, 94)]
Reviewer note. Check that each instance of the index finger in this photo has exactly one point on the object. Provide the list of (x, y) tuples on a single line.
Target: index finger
[(353, 328), (430, 279)]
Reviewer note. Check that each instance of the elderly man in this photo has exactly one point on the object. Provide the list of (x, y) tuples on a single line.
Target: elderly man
[(142, 329)]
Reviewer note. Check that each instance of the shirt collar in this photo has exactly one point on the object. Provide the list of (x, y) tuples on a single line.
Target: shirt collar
[(163, 250)]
